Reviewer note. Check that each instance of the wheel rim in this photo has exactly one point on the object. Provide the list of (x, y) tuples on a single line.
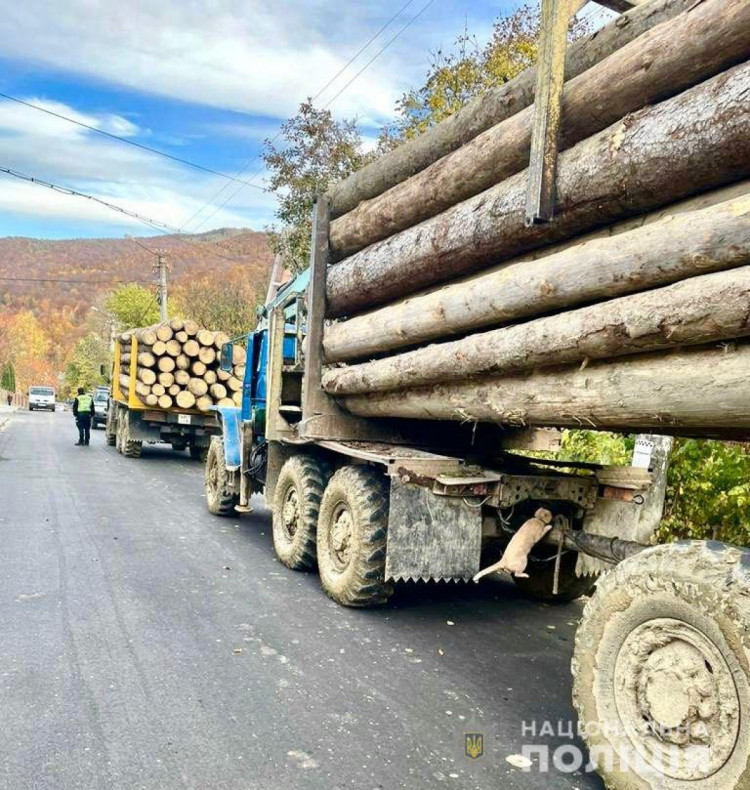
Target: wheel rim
[(290, 513), (676, 699), (340, 537)]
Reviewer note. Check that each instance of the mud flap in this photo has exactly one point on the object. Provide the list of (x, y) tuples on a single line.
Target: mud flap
[(430, 536)]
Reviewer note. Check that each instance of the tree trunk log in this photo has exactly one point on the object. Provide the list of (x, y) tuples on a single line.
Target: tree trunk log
[(191, 348), (686, 50), (158, 390), (239, 372), (177, 324), (223, 375), (225, 402), (218, 391), (141, 389), (164, 332), (125, 358), (673, 248), (146, 336), (237, 398), (181, 336), (198, 368), (234, 384), (145, 359), (692, 142), (238, 355), (220, 339), (146, 375), (701, 310), (174, 348), (204, 403), (185, 400), (207, 355), (493, 107), (159, 348), (206, 337), (166, 379), (198, 387), (701, 391), (165, 364), (151, 399), (165, 401), (181, 377), (191, 328), (174, 390), (210, 377), (182, 362)]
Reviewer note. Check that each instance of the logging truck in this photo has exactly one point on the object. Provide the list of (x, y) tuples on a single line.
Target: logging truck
[(148, 401), (582, 261)]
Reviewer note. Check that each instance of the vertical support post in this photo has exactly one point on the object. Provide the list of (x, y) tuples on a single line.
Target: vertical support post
[(162, 268), (540, 193)]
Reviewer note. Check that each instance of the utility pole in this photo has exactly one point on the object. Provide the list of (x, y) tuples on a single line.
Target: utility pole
[(162, 269)]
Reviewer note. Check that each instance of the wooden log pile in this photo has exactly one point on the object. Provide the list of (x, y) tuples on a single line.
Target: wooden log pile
[(629, 310), (177, 367)]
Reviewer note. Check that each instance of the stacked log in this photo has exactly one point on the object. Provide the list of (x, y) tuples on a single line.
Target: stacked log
[(177, 367), (629, 310)]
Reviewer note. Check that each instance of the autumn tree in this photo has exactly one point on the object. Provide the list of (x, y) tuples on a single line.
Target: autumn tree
[(314, 150), (87, 359), (132, 305), (26, 346)]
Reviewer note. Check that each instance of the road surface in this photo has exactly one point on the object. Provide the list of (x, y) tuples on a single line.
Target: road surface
[(147, 644)]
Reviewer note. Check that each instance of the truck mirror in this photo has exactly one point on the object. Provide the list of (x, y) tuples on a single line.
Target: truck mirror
[(102, 370), (227, 352)]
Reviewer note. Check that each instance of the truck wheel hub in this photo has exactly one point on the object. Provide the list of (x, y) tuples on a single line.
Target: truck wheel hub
[(290, 512), (677, 699), (341, 536)]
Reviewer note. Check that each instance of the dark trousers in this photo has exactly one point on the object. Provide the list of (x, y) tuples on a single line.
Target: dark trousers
[(84, 429)]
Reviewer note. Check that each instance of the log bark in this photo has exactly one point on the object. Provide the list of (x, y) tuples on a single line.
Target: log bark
[(166, 379), (198, 368), (185, 400), (181, 377), (204, 403), (218, 391), (698, 391), (145, 359), (146, 375), (174, 348), (206, 337), (164, 332), (692, 142), (671, 57), (182, 362), (146, 336), (158, 390), (492, 107), (165, 364), (707, 309), (141, 389), (673, 248), (165, 402), (191, 328), (198, 387), (207, 355), (159, 348), (125, 358), (191, 348)]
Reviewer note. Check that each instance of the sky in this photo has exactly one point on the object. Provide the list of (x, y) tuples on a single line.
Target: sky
[(203, 80)]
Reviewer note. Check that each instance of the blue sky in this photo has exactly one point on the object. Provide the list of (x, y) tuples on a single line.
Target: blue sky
[(205, 80)]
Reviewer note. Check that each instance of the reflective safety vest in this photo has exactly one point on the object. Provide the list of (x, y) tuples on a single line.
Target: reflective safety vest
[(84, 404)]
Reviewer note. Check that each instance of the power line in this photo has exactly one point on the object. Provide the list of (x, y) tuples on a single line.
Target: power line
[(161, 227), (71, 280), (316, 96), (126, 141)]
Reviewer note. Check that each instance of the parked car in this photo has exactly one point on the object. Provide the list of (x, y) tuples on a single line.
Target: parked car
[(101, 406), (41, 398)]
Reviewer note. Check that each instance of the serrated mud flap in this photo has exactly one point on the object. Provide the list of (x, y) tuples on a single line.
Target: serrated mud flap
[(431, 537)]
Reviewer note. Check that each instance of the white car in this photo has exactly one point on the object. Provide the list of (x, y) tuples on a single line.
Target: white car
[(41, 398)]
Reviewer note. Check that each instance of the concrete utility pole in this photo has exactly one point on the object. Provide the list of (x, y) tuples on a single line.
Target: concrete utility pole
[(162, 269)]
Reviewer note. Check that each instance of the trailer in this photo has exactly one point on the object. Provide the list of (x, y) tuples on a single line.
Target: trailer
[(402, 395), (130, 422)]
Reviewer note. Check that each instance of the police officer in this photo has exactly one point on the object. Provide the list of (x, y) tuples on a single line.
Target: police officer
[(83, 411)]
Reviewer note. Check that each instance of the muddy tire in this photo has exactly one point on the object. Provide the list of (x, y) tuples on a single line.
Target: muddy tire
[(352, 529), (222, 484), (110, 427), (130, 448), (541, 582), (296, 505), (661, 667)]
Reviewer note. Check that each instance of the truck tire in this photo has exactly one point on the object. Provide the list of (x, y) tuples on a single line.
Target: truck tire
[(296, 504), (541, 582), (198, 453), (352, 529), (222, 485), (179, 447), (110, 427), (130, 448), (661, 668)]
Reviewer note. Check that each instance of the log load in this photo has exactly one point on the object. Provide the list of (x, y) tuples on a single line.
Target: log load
[(678, 245), (697, 311), (695, 45), (691, 392), (493, 107), (695, 141), (164, 332)]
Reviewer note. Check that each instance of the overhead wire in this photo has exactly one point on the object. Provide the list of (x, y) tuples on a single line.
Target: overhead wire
[(125, 140), (254, 158)]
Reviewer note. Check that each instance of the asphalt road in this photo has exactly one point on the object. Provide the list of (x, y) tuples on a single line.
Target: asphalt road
[(147, 644)]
